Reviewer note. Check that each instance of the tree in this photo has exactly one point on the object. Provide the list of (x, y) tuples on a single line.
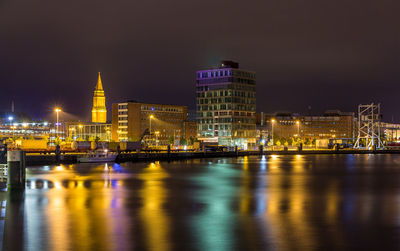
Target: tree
[(182, 141), (277, 142), (171, 140), (307, 142), (191, 141), (291, 141), (57, 141)]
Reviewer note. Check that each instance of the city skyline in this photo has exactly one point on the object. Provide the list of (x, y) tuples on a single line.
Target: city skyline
[(347, 53)]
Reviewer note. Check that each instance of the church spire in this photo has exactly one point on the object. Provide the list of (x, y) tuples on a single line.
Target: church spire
[(99, 85), (99, 110)]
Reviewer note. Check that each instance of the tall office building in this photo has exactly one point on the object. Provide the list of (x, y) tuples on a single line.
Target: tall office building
[(226, 105), (99, 110)]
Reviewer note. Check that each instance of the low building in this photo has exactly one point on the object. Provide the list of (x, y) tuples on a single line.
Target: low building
[(158, 124), (390, 131), (37, 130), (333, 124), (88, 131)]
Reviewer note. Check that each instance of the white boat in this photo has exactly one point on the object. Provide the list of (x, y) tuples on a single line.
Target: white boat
[(98, 156)]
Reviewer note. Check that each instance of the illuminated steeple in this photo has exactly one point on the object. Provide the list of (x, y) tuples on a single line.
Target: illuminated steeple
[(99, 110)]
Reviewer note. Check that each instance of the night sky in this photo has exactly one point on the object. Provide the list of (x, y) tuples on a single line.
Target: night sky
[(323, 54)]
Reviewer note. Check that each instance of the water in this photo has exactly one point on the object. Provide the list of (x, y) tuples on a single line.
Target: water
[(311, 202)]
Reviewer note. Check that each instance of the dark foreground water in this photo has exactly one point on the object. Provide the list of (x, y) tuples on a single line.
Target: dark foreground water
[(315, 202)]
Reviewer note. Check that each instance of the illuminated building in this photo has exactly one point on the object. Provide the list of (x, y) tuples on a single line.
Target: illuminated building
[(99, 110), (164, 123), (226, 105), (37, 130), (391, 131), (332, 124), (88, 131)]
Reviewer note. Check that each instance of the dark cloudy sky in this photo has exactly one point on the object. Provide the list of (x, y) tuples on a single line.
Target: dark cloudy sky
[(323, 54)]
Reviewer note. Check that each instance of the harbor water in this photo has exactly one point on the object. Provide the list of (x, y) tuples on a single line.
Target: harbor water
[(298, 202)]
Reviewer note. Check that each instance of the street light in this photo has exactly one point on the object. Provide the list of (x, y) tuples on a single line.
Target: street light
[(108, 134), (80, 131), (272, 132), (157, 133), (150, 118), (298, 128), (13, 128), (10, 118), (57, 110)]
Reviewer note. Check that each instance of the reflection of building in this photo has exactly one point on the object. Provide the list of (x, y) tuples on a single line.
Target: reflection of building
[(88, 131), (99, 110), (332, 124), (226, 105), (164, 122)]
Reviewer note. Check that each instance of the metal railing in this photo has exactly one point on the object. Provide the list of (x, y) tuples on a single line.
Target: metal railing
[(3, 172)]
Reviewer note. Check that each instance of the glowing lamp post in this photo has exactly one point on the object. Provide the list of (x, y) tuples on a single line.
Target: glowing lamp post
[(298, 128), (150, 118), (80, 131), (57, 110), (157, 133), (10, 118), (13, 128), (272, 132)]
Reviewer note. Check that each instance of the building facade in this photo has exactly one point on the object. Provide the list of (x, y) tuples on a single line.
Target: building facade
[(332, 124), (88, 131), (158, 124), (390, 131), (99, 110), (36, 130), (226, 105)]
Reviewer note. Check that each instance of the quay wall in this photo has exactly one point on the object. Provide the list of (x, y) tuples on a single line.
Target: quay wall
[(48, 159)]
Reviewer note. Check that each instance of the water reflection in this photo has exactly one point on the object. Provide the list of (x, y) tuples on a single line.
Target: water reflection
[(153, 195), (300, 202)]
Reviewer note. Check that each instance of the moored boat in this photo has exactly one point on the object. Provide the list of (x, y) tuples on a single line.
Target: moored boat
[(98, 156)]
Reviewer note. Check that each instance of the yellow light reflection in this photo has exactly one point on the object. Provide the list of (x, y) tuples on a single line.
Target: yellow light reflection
[(245, 162), (60, 168), (153, 195)]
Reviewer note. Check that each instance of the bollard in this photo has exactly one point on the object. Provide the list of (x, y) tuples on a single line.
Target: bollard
[(236, 151), (169, 151), (16, 170), (261, 147), (58, 152)]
